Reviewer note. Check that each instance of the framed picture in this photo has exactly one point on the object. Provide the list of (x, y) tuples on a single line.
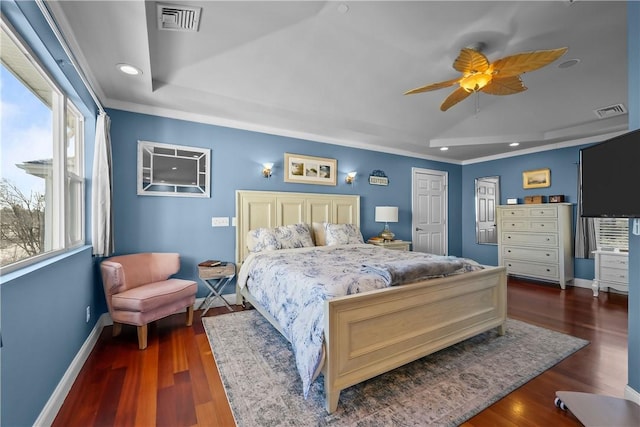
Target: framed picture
[(173, 170), (309, 170), (538, 178)]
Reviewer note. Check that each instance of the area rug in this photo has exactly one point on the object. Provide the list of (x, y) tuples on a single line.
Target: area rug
[(443, 389)]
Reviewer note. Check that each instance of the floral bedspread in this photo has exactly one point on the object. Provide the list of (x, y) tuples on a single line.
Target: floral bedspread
[(292, 285)]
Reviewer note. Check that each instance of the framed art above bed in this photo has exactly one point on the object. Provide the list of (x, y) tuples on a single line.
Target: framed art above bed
[(310, 170)]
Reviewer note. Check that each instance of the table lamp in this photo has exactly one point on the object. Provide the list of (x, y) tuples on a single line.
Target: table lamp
[(386, 214)]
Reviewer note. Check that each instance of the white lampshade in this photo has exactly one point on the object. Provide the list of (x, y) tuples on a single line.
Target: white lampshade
[(386, 214)]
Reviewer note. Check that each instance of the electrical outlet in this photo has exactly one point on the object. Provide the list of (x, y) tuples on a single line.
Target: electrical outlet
[(88, 313)]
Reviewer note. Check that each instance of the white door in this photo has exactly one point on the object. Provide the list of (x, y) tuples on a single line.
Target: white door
[(429, 211), (486, 192)]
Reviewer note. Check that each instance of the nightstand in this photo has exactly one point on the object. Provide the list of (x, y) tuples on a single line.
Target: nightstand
[(611, 271), (398, 245), (215, 278)]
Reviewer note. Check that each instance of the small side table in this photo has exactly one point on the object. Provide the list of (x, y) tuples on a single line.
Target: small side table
[(216, 278)]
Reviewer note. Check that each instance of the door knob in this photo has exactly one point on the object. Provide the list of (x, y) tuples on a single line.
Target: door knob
[(419, 229)]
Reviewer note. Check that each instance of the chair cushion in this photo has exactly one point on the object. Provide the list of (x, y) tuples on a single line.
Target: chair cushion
[(153, 295)]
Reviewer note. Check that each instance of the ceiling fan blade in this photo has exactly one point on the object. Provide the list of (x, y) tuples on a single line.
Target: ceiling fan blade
[(471, 60), (433, 86), (453, 98), (526, 61), (504, 86)]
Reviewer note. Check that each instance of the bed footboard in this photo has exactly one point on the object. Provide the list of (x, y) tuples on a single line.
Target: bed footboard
[(372, 333)]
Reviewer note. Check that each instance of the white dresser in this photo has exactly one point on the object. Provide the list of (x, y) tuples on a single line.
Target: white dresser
[(612, 271), (535, 241)]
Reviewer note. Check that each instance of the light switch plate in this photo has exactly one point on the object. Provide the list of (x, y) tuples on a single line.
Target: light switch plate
[(220, 221)]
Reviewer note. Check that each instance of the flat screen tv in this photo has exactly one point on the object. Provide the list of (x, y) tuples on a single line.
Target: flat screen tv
[(610, 177)]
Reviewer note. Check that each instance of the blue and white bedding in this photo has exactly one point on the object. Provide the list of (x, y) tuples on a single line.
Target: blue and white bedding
[(292, 285)]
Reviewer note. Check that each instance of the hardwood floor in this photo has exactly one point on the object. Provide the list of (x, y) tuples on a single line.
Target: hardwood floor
[(175, 382)]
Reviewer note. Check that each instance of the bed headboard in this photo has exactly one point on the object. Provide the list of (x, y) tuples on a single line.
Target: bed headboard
[(255, 209)]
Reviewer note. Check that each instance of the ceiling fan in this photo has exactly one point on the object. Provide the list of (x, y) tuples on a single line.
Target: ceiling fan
[(501, 77)]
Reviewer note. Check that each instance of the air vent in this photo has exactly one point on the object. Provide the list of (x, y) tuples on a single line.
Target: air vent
[(610, 111), (178, 18)]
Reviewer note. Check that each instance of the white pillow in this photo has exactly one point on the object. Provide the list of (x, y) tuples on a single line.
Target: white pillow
[(293, 236), (342, 234), (262, 239), (318, 233)]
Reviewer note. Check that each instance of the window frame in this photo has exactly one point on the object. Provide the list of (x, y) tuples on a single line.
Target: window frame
[(62, 178), (612, 234)]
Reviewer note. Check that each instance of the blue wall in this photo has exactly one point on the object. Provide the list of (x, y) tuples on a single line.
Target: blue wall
[(43, 328), (563, 164), (183, 224), (633, 49)]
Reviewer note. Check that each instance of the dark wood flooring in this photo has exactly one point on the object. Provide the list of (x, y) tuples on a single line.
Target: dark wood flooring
[(175, 382)]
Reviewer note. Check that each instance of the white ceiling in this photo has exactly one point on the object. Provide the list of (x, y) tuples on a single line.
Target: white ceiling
[(309, 69)]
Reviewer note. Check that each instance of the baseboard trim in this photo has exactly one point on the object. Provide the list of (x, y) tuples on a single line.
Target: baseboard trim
[(582, 283), (631, 394), (53, 405)]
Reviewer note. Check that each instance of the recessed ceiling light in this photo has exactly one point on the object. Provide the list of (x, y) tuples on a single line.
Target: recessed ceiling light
[(129, 69), (343, 8), (514, 144), (568, 63), (444, 148)]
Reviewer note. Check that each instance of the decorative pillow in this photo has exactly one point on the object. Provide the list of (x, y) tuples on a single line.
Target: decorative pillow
[(342, 234), (293, 236), (318, 233), (262, 239)]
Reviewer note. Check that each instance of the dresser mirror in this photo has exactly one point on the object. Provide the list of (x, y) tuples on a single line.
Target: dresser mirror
[(172, 170), (487, 198)]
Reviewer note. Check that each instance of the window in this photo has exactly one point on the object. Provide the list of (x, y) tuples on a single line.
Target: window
[(42, 169), (612, 233)]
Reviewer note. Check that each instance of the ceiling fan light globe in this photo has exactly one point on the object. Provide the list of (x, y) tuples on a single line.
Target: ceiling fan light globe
[(475, 82)]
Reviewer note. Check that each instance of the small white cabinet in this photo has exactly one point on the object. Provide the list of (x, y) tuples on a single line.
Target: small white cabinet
[(535, 241), (612, 271)]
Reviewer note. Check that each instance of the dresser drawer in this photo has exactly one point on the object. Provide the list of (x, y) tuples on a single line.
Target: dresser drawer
[(523, 268), (517, 224), (614, 261), (530, 254), (514, 213), (614, 275), (550, 225), (543, 212), (530, 239)]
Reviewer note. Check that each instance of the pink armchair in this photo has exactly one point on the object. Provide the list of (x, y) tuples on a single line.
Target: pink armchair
[(139, 291)]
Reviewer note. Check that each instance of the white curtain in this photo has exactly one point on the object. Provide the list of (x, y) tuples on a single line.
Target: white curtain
[(101, 190)]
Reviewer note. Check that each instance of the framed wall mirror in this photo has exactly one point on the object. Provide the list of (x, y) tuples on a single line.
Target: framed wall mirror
[(487, 198), (173, 170)]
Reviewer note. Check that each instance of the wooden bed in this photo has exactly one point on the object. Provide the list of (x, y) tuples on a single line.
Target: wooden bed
[(374, 332)]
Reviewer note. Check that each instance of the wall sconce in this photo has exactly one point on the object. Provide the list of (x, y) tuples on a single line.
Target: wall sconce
[(351, 176), (266, 169)]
